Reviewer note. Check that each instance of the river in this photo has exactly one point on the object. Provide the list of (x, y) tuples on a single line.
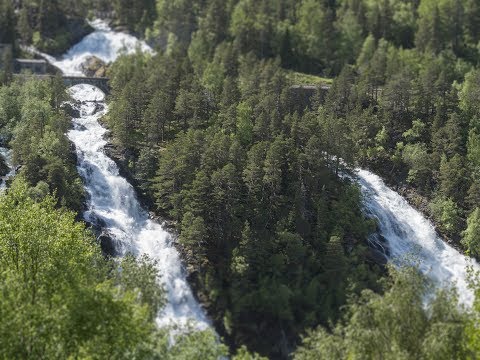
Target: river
[(412, 238), (112, 202)]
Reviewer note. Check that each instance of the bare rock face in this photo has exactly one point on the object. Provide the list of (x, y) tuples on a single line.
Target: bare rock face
[(3, 167), (107, 243), (375, 256), (94, 67), (70, 110)]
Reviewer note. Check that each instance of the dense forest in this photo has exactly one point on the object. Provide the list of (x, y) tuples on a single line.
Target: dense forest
[(34, 124), (243, 171), (212, 133), (60, 297), (253, 201)]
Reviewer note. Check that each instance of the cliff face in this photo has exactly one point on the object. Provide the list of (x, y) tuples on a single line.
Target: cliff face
[(3, 167)]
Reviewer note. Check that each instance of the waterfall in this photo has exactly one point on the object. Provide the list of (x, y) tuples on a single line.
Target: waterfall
[(112, 202), (103, 43), (409, 235)]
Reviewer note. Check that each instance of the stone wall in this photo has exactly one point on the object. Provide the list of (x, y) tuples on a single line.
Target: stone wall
[(301, 97)]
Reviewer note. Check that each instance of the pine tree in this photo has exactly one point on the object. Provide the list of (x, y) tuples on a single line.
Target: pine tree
[(471, 236)]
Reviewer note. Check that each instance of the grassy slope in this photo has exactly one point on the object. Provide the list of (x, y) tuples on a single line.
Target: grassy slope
[(307, 79)]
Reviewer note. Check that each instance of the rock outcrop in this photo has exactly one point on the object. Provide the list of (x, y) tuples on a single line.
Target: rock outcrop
[(3, 167), (70, 110), (107, 243), (94, 67)]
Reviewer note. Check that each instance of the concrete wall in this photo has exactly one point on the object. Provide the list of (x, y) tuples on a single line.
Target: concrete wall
[(300, 97), (33, 66)]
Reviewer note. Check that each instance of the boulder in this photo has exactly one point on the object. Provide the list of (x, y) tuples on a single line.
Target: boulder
[(94, 67), (107, 243), (101, 72), (71, 110), (98, 107)]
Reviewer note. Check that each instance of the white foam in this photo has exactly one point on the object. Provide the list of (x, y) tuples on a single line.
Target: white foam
[(103, 43), (410, 234), (87, 93), (112, 200)]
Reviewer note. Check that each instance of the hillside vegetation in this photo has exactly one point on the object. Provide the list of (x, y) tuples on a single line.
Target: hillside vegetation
[(274, 239), (208, 128)]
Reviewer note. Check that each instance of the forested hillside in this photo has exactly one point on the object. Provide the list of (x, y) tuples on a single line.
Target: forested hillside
[(407, 93), (60, 297), (253, 199), (210, 130), (247, 179), (33, 123)]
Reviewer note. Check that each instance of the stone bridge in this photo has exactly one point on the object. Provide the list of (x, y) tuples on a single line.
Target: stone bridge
[(99, 82)]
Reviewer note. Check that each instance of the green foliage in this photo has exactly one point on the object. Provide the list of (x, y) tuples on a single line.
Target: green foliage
[(447, 213), (207, 129), (302, 78), (469, 93), (417, 158), (250, 186), (60, 297), (194, 233), (452, 178), (416, 133), (316, 36), (471, 235), (51, 26), (36, 125), (243, 354), (196, 345), (395, 325), (57, 298), (137, 15), (7, 22)]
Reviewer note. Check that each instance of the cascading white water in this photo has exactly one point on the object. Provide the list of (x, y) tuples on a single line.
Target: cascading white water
[(113, 204), (103, 43), (409, 234), (111, 199)]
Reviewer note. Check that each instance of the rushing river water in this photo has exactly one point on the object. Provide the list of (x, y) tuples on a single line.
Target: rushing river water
[(411, 237), (113, 205), (103, 43)]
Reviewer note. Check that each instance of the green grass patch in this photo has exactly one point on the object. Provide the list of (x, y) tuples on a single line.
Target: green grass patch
[(307, 79)]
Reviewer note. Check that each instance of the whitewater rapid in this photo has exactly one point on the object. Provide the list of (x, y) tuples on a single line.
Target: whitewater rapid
[(103, 43), (412, 238), (112, 203)]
